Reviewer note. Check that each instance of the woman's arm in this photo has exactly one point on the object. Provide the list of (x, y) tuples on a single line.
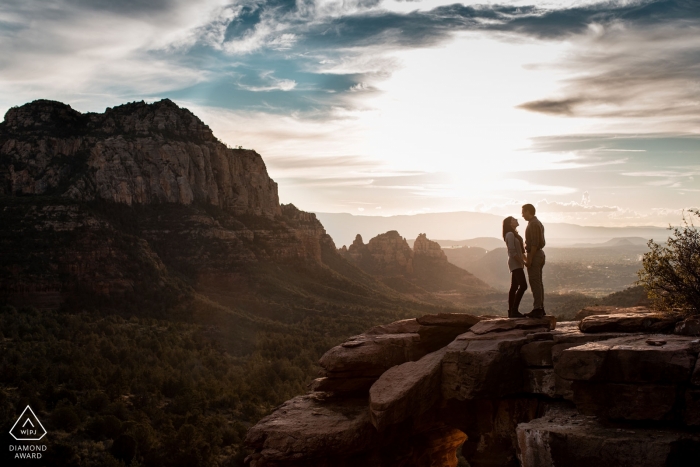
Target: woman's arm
[(512, 245), (514, 250)]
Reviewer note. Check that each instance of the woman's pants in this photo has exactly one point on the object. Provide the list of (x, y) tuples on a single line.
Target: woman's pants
[(518, 286)]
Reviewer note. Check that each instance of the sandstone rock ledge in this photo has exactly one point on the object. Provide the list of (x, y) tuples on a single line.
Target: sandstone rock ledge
[(508, 391)]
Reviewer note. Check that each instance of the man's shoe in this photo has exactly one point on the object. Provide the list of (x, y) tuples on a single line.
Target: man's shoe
[(536, 313), (515, 314)]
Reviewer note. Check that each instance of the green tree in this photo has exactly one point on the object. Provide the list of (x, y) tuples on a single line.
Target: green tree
[(671, 273)]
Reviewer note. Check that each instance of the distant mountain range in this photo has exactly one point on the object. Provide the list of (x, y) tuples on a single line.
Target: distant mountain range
[(343, 227)]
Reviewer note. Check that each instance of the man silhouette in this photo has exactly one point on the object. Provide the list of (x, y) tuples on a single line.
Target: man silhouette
[(534, 259)]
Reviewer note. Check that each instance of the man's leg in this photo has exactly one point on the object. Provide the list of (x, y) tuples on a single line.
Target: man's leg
[(534, 273)]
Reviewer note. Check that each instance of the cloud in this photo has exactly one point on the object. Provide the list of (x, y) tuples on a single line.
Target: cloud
[(552, 106), (642, 63), (270, 84), (573, 206)]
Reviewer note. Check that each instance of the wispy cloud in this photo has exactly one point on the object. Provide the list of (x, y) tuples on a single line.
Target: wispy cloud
[(573, 206)]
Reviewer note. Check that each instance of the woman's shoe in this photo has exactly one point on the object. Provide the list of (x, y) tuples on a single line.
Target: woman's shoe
[(515, 314)]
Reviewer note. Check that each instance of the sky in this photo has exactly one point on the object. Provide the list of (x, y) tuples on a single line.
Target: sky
[(589, 110)]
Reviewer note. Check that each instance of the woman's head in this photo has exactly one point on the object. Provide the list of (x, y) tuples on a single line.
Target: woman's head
[(510, 223)]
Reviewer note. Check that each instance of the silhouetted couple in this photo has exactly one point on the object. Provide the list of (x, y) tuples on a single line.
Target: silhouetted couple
[(530, 256)]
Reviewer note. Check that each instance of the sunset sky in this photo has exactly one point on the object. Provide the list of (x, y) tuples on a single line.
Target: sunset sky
[(590, 110)]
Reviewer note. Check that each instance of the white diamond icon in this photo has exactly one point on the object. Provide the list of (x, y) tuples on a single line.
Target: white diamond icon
[(28, 427)]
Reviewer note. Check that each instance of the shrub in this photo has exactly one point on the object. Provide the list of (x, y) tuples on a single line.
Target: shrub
[(671, 273)]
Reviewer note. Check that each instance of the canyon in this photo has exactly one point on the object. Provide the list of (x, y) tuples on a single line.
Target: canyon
[(140, 213)]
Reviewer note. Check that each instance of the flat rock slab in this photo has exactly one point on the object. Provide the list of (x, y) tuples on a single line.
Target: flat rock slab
[(631, 360), (404, 326), (342, 385), (609, 310), (485, 366), (406, 390), (508, 324), (371, 355), (629, 322), (562, 437), (449, 319), (311, 426)]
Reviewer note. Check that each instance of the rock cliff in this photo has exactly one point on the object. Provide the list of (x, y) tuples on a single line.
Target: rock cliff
[(139, 201), (133, 154), (511, 392)]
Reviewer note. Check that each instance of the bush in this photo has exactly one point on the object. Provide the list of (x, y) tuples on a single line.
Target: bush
[(671, 273)]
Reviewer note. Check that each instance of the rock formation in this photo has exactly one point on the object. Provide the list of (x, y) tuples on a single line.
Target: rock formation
[(387, 254), (422, 246), (134, 153), (512, 392), (422, 271), (139, 201)]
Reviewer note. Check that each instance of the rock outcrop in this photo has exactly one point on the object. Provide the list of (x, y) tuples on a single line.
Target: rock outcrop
[(387, 254), (422, 246), (139, 201), (423, 271), (133, 154), (514, 391)]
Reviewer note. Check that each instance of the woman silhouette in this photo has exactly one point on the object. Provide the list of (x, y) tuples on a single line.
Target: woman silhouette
[(516, 262)]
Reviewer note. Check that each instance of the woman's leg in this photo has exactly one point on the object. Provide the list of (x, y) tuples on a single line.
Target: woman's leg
[(515, 294), (511, 293), (518, 277)]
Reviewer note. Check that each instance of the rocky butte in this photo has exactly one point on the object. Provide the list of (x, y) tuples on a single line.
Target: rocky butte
[(139, 201), (422, 271)]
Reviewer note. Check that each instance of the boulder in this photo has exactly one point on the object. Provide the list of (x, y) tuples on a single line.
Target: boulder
[(562, 437), (609, 310), (487, 365), (370, 355), (507, 324), (568, 335), (629, 322), (688, 327), (440, 330), (631, 360), (406, 390), (311, 426)]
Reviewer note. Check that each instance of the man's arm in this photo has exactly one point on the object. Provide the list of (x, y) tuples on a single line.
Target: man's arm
[(528, 258)]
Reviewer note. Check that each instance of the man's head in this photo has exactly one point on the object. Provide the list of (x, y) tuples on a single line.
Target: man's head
[(528, 211)]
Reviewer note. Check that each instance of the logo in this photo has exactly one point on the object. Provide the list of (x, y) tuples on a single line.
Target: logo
[(28, 427)]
